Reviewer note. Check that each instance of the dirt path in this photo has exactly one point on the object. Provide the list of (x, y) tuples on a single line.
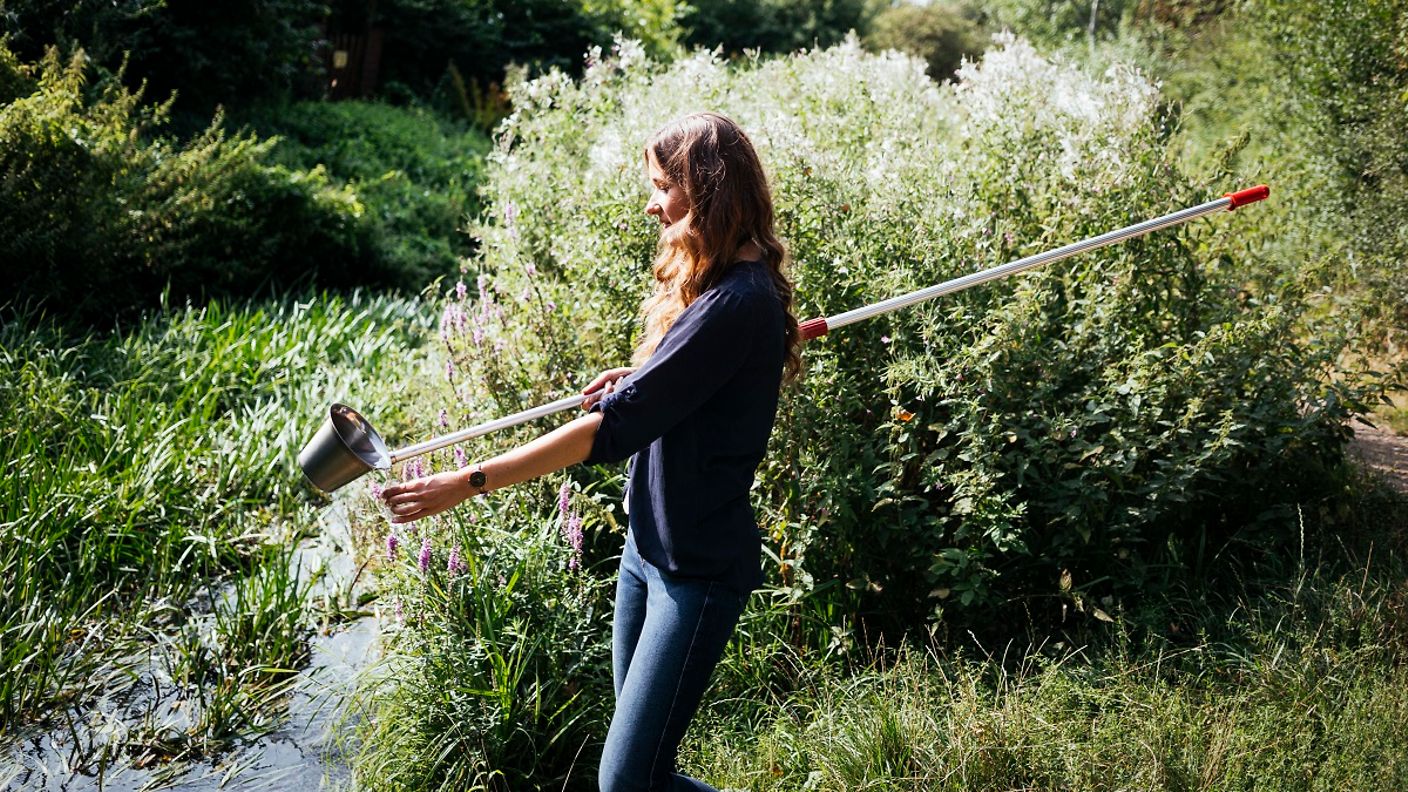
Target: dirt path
[(1383, 452)]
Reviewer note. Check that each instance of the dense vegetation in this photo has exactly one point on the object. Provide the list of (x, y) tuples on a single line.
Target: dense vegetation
[(1090, 527)]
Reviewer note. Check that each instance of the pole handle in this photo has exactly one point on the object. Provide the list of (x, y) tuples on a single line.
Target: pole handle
[(1249, 195), (813, 328)]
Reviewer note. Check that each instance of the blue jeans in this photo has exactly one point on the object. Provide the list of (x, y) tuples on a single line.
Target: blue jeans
[(668, 635)]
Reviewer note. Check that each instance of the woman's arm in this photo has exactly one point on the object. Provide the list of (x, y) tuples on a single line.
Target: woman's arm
[(566, 445)]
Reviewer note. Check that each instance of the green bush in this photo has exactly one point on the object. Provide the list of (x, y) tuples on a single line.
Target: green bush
[(772, 25), (427, 44), (209, 53), (413, 173), (103, 214), (1120, 417), (497, 674), (1347, 64), (939, 33)]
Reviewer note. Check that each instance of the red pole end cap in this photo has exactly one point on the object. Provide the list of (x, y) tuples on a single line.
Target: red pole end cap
[(1249, 195), (813, 328)]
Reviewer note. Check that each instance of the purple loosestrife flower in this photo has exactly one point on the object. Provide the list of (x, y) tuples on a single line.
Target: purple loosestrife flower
[(400, 611), (460, 458), (424, 560), (564, 498), (456, 566), (572, 532), (375, 490), (444, 418), (449, 369), (461, 290), (393, 542)]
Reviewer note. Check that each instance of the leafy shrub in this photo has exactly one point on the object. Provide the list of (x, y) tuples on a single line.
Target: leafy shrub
[(498, 673), (413, 173), (772, 25), (424, 39), (102, 215), (1057, 22), (939, 33), (1347, 63), (1119, 416), (209, 53)]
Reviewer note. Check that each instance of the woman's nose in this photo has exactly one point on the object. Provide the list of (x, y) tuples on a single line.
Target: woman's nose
[(652, 207)]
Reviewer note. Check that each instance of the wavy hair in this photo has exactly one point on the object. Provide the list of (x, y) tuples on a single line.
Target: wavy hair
[(713, 161)]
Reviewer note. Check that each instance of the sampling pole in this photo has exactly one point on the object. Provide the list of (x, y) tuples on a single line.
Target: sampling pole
[(815, 328)]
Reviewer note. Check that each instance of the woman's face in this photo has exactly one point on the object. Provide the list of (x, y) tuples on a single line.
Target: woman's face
[(668, 201)]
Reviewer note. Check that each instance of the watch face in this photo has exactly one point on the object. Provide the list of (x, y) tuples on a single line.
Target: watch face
[(477, 478)]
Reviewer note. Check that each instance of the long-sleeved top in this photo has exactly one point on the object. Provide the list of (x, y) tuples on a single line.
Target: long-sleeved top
[(695, 420)]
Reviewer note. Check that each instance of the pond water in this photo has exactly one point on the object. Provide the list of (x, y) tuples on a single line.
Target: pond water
[(300, 753)]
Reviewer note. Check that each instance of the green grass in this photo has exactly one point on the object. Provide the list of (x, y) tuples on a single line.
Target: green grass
[(1292, 674), (145, 466)]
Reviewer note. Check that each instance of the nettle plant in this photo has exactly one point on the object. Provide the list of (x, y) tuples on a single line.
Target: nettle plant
[(1069, 435)]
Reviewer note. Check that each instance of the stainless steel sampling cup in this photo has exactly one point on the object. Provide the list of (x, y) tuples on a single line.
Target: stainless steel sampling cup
[(345, 447)]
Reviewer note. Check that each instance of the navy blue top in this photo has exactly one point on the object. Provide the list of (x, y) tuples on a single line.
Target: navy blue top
[(696, 416)]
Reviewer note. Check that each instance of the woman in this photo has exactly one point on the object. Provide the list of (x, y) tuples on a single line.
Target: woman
[(694, 418)]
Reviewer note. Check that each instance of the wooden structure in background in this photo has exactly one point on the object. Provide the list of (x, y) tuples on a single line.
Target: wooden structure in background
[(353, 60)]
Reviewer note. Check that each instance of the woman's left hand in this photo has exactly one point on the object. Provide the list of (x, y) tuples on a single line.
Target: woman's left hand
[(423, 497)]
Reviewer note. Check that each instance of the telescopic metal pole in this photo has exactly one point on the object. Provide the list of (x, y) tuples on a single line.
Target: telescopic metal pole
[(815, 328)]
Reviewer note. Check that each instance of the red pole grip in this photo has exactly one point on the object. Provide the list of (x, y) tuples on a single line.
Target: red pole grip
[(1249, 195), (813, 328)]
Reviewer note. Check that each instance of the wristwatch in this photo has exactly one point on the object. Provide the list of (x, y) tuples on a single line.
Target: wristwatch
[(477, 479)]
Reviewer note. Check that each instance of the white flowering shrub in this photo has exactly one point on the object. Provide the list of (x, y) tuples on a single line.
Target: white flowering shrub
[(1066, 437), (1090, 417)]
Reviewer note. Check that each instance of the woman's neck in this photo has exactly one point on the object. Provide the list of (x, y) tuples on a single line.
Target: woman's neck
[(749, 252)]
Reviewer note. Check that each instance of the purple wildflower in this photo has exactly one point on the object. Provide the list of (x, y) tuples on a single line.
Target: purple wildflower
[(461, 291), (424, 559), (393, 542), (564, 498), (444, 418), (530, 268), (460, 458), (572, 532), (450, 369), (375, 489), (510, 214), (400, 611), (413, 470), (456, 565), (483, 284)]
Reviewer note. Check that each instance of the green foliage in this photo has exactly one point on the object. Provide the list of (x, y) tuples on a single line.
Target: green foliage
[(1119, 416), (1348, 65), (498, 671), (939, 33), (143, 464), (228, 52), (480, 38), (1058, 22), (413, 173), (1289, 676), (104, 215), (772, 25)]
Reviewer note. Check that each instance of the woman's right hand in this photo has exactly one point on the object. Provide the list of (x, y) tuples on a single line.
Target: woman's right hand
[(604, 383)]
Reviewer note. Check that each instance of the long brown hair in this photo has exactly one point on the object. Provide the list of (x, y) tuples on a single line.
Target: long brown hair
[(713, 161)]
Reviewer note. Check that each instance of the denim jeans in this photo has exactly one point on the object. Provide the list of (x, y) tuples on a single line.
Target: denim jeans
[(668, 635)]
